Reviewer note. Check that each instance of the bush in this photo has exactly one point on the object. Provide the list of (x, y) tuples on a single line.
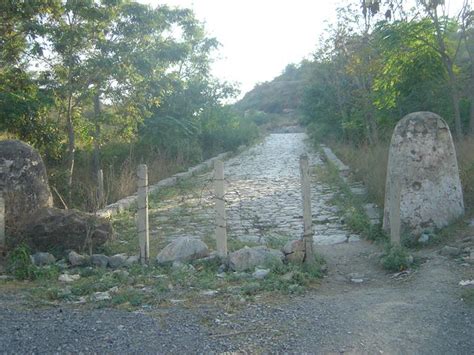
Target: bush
[(19, 263), (395, 258)]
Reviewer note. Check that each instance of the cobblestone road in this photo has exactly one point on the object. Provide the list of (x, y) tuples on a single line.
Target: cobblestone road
[(263, 198)]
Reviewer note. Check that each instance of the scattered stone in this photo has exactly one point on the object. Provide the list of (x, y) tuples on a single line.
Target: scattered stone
[(62, 264), (357, 281), (353, 238), (6, 278), (183, 249), (41, 259), (450, 251), (209, 293), (294, 251), (222, 269), (424, 238), (288, 276), (76, 259), (330, 239), (179, 266), (68, 278), (117, 260), (100, 260), (422, 167), (410, 259), (466, 283), (249, 258), (101, 296), (471, 223), (61, 230), (373, 212), (132, 260), (260, 273)]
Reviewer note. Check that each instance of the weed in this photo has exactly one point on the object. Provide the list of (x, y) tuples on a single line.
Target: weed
[(19, 263), (467, 295), (395, 258)]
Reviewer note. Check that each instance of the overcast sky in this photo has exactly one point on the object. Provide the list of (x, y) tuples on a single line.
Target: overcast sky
[(260, 37)]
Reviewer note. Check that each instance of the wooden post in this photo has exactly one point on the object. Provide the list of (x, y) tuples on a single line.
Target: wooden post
[(307, 216), (2, 222), (100, 189), (395, 221), (221, 225), (142, 217)]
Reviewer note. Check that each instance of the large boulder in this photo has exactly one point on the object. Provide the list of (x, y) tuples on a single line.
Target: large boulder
[(59, 230), (24, 181), (422, 174), (183, 249), (249, 258)]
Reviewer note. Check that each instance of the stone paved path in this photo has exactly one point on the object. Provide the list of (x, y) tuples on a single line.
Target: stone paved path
[(263, 198)]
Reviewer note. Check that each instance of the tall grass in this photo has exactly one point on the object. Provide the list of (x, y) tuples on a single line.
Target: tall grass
[(369, 165)]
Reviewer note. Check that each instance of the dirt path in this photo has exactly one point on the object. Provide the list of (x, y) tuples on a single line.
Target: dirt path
[(358, 308)]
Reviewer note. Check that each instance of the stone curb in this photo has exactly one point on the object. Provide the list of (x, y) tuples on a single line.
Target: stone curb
[(126, 202), (343, 168)]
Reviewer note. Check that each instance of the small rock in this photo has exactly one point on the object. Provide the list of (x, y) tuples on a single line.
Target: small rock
[(209, 293), (466, 283), (68, 278), (260, 273), (5, 278), (76, 259), (99, 260), (183, 249), (357, 281), (117, 260), (41, 259), (132, 260), (222, 269), (288, 276), (101, 296), (410, 259), (62, 264), (294, 251), (424, 238), (249, 258), (179, 266), (450, 251)]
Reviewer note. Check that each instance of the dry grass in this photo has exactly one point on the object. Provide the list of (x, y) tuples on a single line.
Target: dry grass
[(369, 164), (465, 153)]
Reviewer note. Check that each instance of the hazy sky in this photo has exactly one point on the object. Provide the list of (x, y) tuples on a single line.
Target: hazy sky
[(260, 37)]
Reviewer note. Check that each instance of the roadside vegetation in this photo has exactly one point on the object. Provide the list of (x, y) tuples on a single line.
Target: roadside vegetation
[(109, 85)]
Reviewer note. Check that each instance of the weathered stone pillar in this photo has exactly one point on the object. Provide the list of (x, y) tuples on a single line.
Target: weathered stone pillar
[(423, 174)]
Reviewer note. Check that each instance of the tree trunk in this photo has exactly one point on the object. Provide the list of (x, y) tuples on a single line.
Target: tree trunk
[(71, 146), (455, 98), (96, 154)]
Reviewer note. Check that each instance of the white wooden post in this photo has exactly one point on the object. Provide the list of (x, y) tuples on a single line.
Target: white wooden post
[(221, 225), (307, 216), (395, 221), (142, 217), (2, 222), (100, 189)]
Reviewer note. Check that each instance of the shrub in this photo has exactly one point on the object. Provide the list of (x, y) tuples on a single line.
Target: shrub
[(395, 258)]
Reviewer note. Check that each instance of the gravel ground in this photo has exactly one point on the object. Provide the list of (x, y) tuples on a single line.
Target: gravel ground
[(420, 314)]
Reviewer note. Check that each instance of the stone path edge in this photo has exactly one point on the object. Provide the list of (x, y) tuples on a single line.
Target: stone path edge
[(372, 211), (126, 202)]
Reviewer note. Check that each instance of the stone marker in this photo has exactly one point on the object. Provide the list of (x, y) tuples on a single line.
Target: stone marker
[(422, 176)]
